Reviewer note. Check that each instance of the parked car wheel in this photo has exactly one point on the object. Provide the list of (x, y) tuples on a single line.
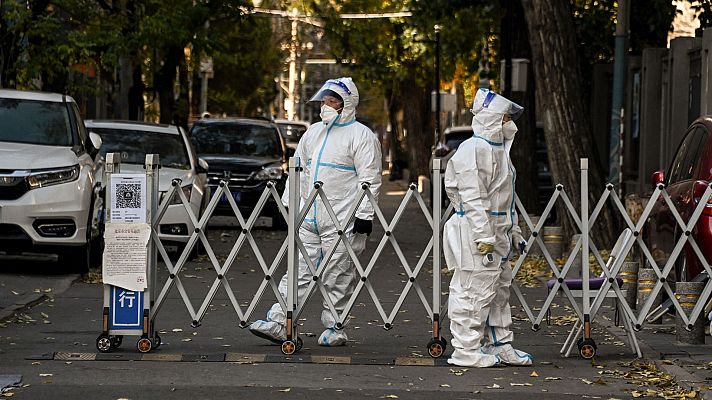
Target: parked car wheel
[(76, 259)]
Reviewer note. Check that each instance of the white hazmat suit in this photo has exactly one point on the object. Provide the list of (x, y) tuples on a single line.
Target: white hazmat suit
[(479, 180), (341, 153)]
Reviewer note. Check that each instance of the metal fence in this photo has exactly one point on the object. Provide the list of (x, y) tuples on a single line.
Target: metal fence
[(433, 304)]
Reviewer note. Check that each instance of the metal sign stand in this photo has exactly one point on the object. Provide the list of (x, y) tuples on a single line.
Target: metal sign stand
[(127, 312)]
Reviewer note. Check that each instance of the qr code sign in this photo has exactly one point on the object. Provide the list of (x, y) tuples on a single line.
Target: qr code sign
[(128, 195)]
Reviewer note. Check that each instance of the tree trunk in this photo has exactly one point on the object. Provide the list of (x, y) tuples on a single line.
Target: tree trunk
[(419, 127), (182, 112), (566, 125), (394, 143), (523, 151), (135, 95), (165, 77)]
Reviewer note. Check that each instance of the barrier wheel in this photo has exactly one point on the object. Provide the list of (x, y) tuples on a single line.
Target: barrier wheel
[(104, 343), (436, 347), (587, 348), (289, 347), (157, 341), (144, 345), (116, 341)]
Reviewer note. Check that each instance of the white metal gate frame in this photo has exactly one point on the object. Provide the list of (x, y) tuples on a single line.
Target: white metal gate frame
[(220, 270), (435, 308), (662, 274), (586, 243), (341, 318)]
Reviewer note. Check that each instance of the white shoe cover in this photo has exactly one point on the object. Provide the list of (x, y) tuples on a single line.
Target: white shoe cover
[(270, 330), (508, 354), (473, 358), (332, 337)]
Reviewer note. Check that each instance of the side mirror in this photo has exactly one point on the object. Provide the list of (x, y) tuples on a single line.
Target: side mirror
[(95, 140), (202, 167), (657, 178)]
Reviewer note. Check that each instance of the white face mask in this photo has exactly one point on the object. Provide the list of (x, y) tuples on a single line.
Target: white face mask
[(328, 114), (509, 129)]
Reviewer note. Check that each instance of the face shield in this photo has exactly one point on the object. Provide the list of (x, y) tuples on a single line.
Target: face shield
[(330, 87), (495, 103)]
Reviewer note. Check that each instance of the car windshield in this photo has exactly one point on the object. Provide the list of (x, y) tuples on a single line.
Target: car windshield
[(292, 132), (454, 139), (133, 145), (236, 139), (35, 122)]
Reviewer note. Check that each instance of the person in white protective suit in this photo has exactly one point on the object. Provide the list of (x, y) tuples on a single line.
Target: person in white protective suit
[(478, 239), (341, 153)]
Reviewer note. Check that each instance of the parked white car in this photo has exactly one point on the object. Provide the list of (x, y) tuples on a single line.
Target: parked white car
[(177, 158), (50, 184)]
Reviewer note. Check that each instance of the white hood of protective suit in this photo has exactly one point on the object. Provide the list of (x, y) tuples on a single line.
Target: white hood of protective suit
[(489, 109), (346, 88)]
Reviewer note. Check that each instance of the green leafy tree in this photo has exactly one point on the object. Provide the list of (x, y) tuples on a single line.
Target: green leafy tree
[(40, 41), (244, 73), (398, 55)]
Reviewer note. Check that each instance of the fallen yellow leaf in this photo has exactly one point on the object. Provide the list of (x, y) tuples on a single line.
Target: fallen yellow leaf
[(534, 374)]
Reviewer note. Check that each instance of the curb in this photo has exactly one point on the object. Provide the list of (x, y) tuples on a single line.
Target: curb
[(31, 300), (26, 302)]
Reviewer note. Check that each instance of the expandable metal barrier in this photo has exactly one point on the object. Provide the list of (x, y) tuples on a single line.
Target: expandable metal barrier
[(434, 306)]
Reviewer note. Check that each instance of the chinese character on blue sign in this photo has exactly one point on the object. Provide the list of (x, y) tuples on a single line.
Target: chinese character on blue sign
[(126, 309)]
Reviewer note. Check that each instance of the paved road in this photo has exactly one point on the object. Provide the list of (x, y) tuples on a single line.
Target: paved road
[(45, 343)]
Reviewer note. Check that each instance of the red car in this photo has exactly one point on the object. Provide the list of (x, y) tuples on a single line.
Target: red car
[(686, 180)]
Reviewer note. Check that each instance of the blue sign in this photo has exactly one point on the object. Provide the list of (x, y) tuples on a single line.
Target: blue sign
[(126, 311)]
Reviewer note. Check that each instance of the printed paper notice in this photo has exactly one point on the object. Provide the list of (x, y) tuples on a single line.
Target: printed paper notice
[(125, 255), (128, 198)]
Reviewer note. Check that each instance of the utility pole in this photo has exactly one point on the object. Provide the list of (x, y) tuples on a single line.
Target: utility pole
[(437, 85), (292, 85), (619, 72)]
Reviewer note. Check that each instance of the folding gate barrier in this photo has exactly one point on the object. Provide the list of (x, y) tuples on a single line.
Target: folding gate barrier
[(435, 307)]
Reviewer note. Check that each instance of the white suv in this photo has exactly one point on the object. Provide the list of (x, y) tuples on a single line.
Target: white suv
[(50, 184), (133, 140)]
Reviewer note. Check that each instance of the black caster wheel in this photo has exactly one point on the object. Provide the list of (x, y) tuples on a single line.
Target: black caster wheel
[(144, 345), (289, 347), (104, 344), (436, 347), (300, 343), (157, 341), (116, 341), (587, 348)]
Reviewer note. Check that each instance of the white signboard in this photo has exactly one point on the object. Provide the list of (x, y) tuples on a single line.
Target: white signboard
[(125, 255), (128, 198)]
